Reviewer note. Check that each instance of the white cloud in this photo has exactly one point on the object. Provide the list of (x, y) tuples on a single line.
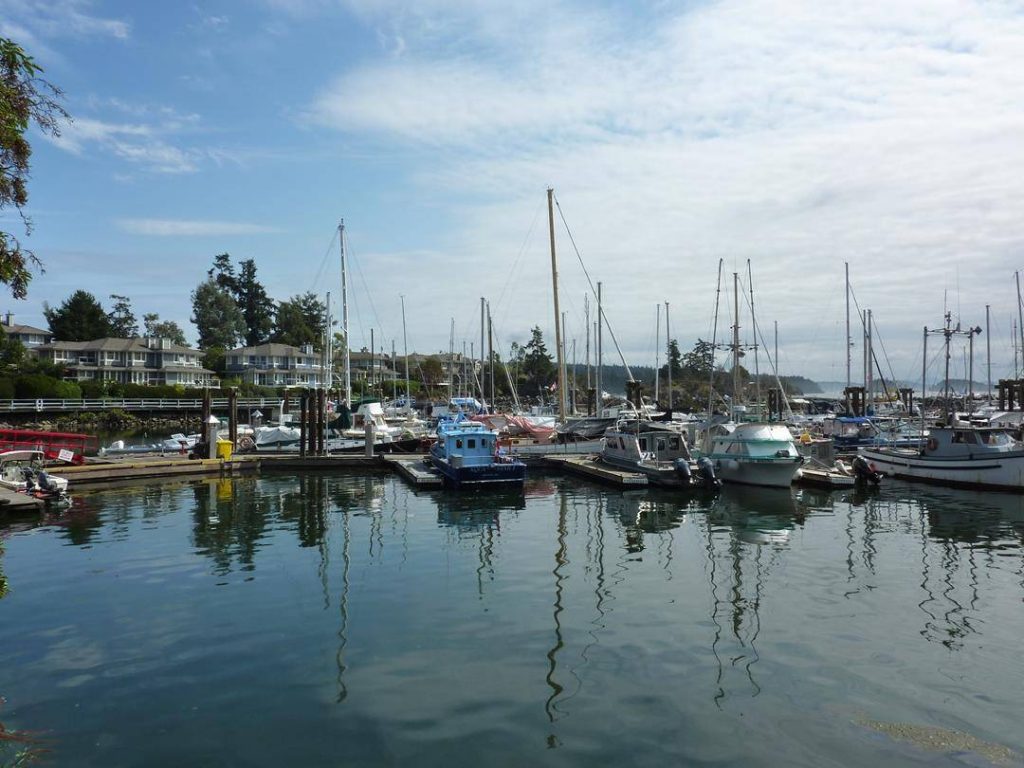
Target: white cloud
[(138, 143), (191, 228), (796, 134), (65, 18)]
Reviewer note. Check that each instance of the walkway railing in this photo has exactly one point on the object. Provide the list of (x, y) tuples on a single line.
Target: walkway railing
[(130, 404)]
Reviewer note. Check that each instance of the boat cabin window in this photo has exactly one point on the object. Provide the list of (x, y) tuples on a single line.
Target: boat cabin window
[(643, 443), (971, 437), (673, 443), (471, 443), (661, 444), (458, 442), (622, 444)]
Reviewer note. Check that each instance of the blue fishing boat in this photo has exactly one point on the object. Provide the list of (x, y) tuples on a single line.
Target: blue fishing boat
[(466, 453)]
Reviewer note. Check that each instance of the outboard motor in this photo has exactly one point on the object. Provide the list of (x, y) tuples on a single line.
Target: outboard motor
[(707, 473), (682, 467), (863, 473), (29, 476)]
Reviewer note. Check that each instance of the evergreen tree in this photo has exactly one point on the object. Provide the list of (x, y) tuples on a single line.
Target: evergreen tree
[(216, 316), (300, 320), (699, 362), (164, 329), (25, 98), (122, 319), (257, 307), (223, 273), (537, 367), (79, 318)]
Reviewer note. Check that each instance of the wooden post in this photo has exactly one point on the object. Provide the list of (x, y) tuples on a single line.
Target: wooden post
[(233, 415), (303, 408), (321, 418)]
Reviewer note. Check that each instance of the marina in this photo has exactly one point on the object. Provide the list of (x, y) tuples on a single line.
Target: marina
[(388, 624)]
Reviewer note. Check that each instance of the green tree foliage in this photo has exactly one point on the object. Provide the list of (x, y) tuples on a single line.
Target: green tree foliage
[(700, 361), (673, 359), (432, 371), (537, 367), (164, 329), (25, 99), (249, 295), (216, 360), (300, 320), (12, 351), (257, 307), (223, 273), (122, 319), (79, 318), (216, 316)]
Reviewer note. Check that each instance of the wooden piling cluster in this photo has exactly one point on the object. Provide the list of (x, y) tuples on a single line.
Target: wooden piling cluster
[(313, 422)]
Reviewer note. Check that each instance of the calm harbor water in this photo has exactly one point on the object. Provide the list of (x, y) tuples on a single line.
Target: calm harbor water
[(347, 620)]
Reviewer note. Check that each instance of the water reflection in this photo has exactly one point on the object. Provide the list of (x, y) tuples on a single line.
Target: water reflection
[(747, 530)]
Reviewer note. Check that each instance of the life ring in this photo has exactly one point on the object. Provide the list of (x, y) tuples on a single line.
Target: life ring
[(932, 443)]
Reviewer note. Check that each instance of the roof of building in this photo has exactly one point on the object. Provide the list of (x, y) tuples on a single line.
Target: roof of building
[(15, 328), (271, 348), (138, 344)]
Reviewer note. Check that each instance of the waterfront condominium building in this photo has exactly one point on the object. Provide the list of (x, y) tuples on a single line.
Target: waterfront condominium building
[(28, 335), (275, 365), (128, 361)]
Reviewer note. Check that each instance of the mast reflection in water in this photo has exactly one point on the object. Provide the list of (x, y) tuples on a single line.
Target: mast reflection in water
[(319, 620)]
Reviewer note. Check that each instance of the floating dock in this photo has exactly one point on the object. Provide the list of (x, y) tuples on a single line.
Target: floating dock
[(589, 466), (415, 470), (13, 502), (823, 478)]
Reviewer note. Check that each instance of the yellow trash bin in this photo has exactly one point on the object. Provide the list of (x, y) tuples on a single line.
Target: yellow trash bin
[(224, 448)]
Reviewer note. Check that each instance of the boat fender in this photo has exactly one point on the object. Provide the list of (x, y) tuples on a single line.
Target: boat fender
[(932, 443)]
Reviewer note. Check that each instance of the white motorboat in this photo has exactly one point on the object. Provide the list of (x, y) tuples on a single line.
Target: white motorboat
[(755, 453), (658, 451), (23, 471), (966, 457)]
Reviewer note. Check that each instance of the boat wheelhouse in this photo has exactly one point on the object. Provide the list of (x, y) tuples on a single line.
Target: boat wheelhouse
[(657, 451)]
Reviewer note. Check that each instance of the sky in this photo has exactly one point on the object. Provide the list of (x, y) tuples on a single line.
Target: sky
[(677, 136)]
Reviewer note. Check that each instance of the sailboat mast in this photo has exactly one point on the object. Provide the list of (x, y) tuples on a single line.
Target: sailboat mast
[(988, 355), (657, 349), (849, 344), (558, 315), (668, 345), (405, 344), (1020, 317), (344, 315), (599, 399), (753, 327), (714, 344), (483, 352), (735, 341), (586, 316), (327, 360)]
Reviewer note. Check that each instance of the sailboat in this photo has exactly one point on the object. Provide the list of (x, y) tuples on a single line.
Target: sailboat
[(748, 452)]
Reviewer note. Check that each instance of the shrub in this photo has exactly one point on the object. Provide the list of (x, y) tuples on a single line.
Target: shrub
[(6, 389), (34, 385)]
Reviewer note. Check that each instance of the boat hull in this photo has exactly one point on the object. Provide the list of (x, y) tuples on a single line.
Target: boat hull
[(497, 474), (1001, 471), (765, 473)]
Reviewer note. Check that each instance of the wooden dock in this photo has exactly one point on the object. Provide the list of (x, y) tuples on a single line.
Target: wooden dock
[(589, 467), (14, 503), (414, 469), (823, 478)]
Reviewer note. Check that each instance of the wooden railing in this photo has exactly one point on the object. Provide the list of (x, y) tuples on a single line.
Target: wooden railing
[(47, 405)]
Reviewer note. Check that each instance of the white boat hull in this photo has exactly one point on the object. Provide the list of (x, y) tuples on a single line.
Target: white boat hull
[(771, 474), (1001, 471)]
